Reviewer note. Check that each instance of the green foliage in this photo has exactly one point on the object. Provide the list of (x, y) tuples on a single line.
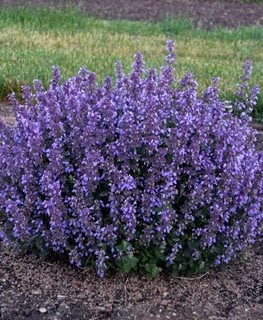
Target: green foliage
[(127, 263), (33, 40), (176, 26), (151, 261)]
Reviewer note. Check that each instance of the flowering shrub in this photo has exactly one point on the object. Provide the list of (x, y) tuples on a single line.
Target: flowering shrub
[(144, 174)]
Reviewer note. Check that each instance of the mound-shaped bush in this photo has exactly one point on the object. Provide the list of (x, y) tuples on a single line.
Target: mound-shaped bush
[(144, 174)]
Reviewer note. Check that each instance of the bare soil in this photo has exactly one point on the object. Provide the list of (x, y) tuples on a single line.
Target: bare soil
[(34, 288), (204, 13)]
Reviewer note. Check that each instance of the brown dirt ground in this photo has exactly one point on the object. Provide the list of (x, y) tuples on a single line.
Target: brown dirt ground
[(205, 13), (29, 285), (33, 288)]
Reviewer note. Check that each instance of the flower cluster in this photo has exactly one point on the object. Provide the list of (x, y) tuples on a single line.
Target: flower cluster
[(143, 170)]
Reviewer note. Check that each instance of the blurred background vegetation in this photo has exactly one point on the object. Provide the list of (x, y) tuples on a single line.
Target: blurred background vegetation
[(32, 40)]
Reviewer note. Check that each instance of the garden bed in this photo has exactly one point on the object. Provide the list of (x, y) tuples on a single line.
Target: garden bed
[(37, 288), (33, 288)]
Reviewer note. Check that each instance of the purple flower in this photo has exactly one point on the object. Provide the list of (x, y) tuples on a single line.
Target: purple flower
[(147, 160)]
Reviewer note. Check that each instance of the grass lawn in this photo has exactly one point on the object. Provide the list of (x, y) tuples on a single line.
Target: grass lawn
[(33, 40)]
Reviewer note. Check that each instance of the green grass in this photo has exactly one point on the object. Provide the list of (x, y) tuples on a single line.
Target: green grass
[(33, 40)]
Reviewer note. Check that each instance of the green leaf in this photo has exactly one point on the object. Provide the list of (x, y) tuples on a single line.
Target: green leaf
[(152, 270), (193, 244), (202, 266), (159, 254), (175, 271), (123, 246), (127, 263)]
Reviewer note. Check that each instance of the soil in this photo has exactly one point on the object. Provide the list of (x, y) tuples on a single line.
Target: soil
[(205, 13), (37, 288), (33, 288)]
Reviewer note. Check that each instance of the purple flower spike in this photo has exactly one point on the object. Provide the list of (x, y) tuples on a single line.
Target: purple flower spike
[(144, 173)]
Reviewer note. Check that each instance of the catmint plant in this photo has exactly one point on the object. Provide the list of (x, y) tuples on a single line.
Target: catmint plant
[(142, 173)]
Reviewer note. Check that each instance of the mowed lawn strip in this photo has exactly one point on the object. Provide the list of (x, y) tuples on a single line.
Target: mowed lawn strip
[(33, 40)]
